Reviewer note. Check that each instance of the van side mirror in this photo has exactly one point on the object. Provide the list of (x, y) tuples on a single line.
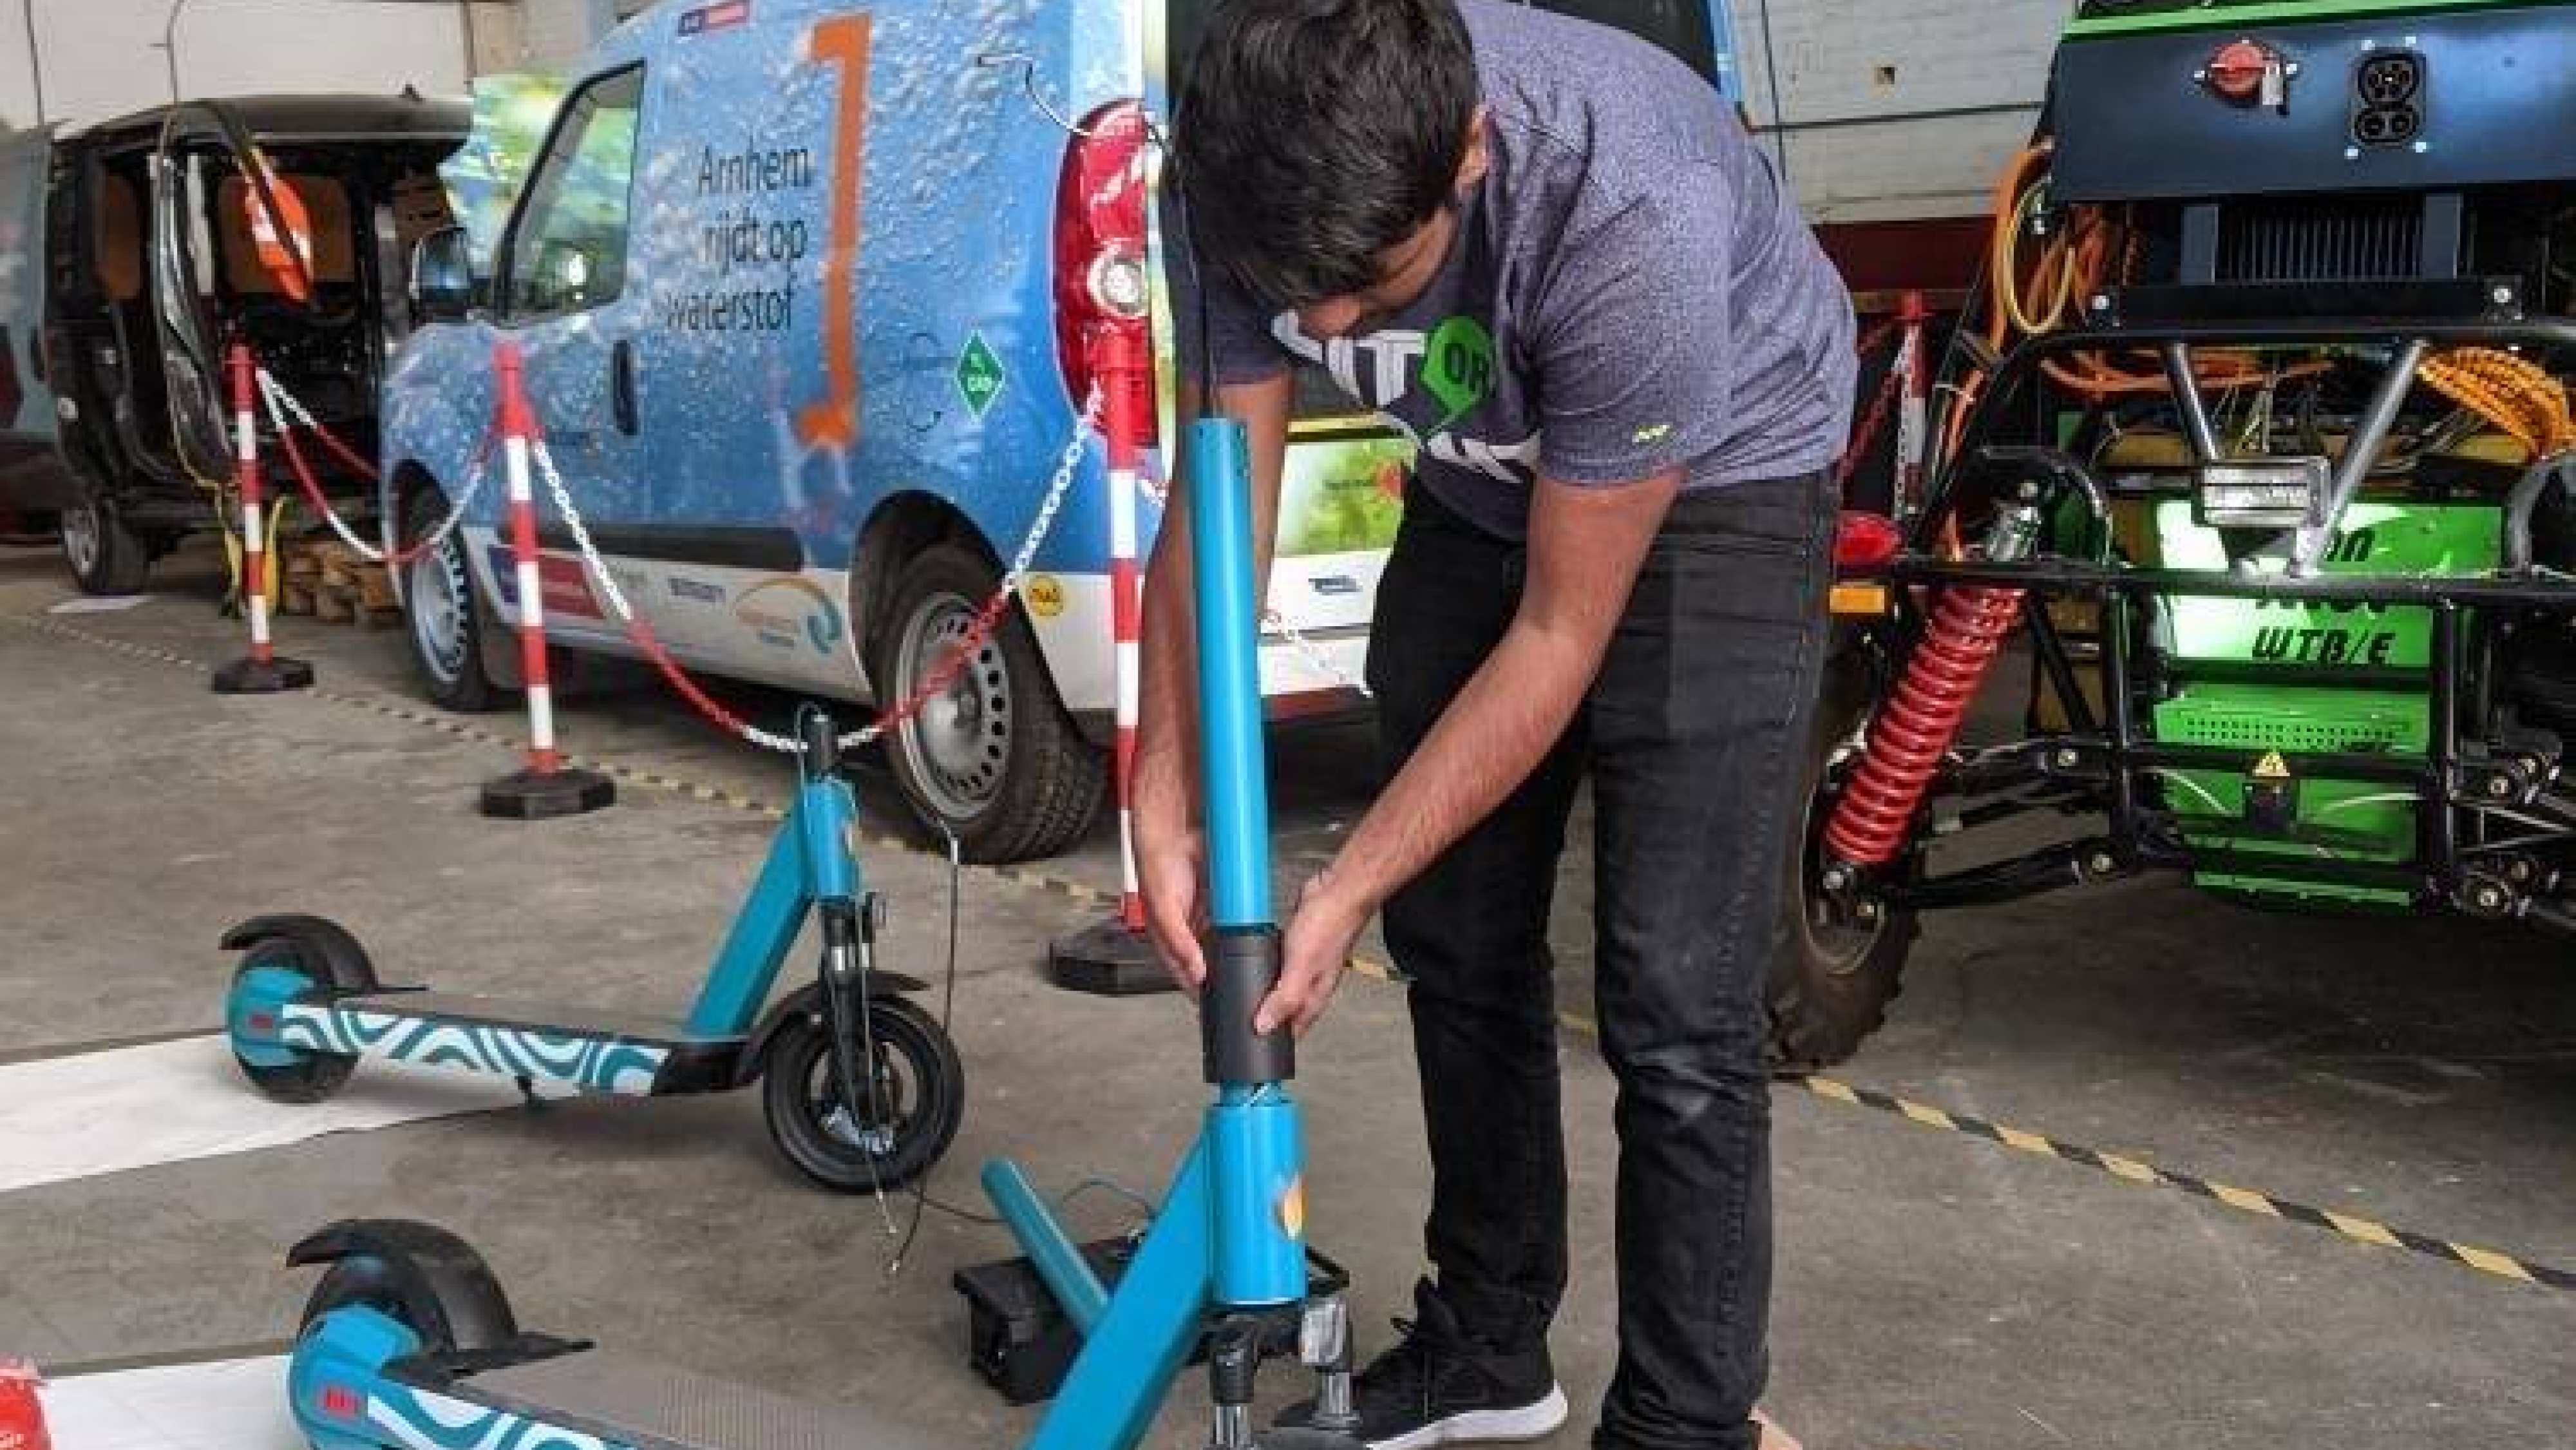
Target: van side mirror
[(442, 276)]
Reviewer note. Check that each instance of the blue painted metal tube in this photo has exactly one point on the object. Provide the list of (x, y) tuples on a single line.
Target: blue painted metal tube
[(1109, 1397), (1077, 1290), (764, 931), (1255, 1147), (828, 807), (1235, 779)]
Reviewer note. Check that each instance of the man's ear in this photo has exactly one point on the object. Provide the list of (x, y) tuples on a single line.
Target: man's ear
[(1477, 159)]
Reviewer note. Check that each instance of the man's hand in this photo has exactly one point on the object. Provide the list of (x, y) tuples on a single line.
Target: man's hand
[(1312, 957), (1171, 861)]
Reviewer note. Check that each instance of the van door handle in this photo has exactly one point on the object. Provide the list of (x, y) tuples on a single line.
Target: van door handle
[(621, 386)]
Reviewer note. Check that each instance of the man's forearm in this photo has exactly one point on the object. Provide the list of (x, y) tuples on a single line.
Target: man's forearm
[(1166, 739)]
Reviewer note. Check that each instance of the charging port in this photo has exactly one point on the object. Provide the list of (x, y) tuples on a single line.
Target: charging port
[(2391, 80)]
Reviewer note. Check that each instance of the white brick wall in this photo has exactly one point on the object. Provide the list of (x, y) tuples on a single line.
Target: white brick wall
[(104, 58), (1885, 61)]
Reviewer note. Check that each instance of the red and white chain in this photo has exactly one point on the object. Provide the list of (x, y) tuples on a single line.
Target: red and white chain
[(936, 682), (282, 404)]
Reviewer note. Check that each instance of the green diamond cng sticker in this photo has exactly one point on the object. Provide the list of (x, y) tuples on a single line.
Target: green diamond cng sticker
[(979, 375)]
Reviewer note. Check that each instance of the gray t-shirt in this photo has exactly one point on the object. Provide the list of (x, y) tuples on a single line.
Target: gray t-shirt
[(1630, 290)]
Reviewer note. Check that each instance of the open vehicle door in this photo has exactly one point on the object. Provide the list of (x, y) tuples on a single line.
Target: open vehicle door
[(192, 359)]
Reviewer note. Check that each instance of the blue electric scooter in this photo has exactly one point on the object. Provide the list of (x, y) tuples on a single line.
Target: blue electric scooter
[(861, 1088), (409, 1341)]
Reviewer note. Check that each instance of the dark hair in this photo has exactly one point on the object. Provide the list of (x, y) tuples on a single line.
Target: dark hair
[(1315, 134)]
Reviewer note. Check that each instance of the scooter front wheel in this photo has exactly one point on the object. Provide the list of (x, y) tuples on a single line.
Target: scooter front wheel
[(907, 1117)]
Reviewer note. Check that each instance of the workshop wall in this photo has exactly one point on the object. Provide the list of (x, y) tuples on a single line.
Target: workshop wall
[(1895, 109), (103, 58)]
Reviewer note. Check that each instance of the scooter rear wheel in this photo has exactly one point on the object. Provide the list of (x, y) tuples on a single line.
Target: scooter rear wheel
[(311, 1076), (920, 1085)]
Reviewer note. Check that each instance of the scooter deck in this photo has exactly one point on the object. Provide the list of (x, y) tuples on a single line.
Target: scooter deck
[(616, 1052), (652, 1406), (509, 1014)]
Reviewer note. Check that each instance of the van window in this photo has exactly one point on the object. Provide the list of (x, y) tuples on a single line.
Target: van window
[(568, 250)]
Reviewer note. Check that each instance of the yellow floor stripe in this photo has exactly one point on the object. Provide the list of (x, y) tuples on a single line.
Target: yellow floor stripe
[(2026, 1142), (2361, 1229), (2128, 1168), (2246, 1199), (2492, 1262)]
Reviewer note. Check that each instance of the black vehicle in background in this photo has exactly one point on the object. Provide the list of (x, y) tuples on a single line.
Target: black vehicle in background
[(132, 256)]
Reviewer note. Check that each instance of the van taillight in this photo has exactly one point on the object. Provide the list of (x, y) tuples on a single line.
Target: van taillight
[(1101, 277)]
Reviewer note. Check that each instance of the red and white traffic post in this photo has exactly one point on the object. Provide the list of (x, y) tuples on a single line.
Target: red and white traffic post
[(263, 671), (545, 787), (1914, 406), (1114, 956), (22, 1407)]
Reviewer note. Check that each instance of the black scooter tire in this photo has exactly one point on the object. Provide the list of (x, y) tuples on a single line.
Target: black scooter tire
[(314, 1076), (929, 1080)]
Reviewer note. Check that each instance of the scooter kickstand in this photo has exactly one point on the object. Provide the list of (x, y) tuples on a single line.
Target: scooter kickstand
[(1324, 1346), (528, 1093)]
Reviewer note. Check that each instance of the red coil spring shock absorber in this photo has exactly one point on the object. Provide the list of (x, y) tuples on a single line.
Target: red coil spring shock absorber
[(1916, 726)]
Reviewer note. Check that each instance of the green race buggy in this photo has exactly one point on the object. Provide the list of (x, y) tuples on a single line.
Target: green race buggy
[(2254, 448)]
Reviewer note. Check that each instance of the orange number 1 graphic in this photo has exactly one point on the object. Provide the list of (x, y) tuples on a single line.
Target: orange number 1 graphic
[(834, 422)]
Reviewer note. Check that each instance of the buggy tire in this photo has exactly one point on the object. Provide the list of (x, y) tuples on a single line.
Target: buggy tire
[(996, 761), (1830, 984), (443, 618), (104, 556)]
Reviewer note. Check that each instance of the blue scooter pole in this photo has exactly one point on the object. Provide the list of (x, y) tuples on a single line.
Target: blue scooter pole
[(1255, 1151), (1230, 1236)]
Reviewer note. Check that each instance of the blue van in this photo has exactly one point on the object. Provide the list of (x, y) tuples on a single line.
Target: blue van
[(802, 286)]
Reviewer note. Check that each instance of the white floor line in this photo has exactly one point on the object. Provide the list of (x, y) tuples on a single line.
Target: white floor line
[(236, 1404), (168, 1102)]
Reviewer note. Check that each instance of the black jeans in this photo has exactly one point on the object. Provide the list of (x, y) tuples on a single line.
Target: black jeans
[(1695, 736)]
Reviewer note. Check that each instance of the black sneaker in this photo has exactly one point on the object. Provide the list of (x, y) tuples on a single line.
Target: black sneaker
[(1439, 1387)]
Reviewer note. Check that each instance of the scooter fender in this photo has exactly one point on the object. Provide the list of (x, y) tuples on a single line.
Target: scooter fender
[(325, 942), (806, 1001), (445, 1289)]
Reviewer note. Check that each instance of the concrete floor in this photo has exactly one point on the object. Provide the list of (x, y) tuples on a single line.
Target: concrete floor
[(1934, 1290)]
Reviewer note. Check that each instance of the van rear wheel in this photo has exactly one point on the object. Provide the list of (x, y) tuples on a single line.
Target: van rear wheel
[(993, 757)]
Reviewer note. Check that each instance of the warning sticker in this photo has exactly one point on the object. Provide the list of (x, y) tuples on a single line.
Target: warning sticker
[(979, 374)]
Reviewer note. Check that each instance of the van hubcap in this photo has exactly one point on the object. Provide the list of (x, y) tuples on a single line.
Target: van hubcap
[(957, 748), (437, 608)]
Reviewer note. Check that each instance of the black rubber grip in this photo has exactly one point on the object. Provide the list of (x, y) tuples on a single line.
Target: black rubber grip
[(1243, 965)]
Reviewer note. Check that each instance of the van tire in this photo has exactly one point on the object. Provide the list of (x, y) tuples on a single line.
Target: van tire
[(443, 617), (105, 556), (997, 761)]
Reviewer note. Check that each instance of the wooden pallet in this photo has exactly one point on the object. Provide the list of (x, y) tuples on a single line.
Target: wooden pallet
[(326, 579)]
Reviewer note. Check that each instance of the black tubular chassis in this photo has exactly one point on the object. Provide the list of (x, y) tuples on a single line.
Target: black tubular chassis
[(2496, 820)]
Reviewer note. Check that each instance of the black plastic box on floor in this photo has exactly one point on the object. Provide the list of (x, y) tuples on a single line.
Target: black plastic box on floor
[(1017, 1337)]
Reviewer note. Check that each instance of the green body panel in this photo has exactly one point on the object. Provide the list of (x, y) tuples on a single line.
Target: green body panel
[(2313, 706), (2100, 21)]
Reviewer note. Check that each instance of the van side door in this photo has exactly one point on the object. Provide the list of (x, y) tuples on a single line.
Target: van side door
[(564, 290)]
